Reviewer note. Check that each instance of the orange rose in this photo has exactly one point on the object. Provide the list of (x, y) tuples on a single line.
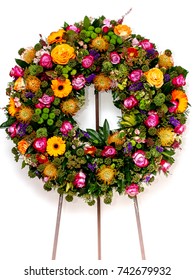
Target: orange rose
[(123, 31), (61, 54), (23, 146)]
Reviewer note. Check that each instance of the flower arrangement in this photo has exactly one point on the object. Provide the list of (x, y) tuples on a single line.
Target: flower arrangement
[(48, 89)]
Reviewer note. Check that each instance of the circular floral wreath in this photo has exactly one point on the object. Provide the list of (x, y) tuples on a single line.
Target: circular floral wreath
[(48, 89)]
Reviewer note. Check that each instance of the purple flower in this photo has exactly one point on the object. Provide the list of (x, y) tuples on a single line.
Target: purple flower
[(95, 54), (21, 129), (159, 149), (174, 121), (136, 86), (166, 78), (128, 148), (92, 166), (90, 78), (29, 94), (147, 178), (151, 53)]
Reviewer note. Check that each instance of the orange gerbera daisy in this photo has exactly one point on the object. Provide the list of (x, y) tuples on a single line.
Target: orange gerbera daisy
[(100, 44), (25, 114), (23, 146), (102, 83), (61, 88), (50, 171), (12, 109), (182, 99), (56, 146), (33, 83), (70, 107), (56, 37), (106, 174)]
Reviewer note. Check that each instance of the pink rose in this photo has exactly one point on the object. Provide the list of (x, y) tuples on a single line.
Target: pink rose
[(78, 82), (13, 130), (132, 190), (180, 128), (135, 75), (173, 108), (164, 165), (40, 144), (115, 58), (16, 72), (66, 127), (74, 28), (179, 81), (139, 158), (146, 45), (46, 61), (87, 61), (152, 120), (79, 180), (108, 151), (130, 102), (45, 101)]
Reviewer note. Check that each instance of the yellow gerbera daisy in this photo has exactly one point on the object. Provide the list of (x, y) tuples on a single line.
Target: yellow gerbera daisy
[(61, 88), (25, 114), (166, 135), (12, 109), (33, 83), (116, 138), (70, 107), (106, 174), (56, 37), (56, 146), (102, 83), (50, 171), (182, 99), (100, 44)]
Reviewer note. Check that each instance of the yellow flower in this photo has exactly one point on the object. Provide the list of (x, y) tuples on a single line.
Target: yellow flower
[(166, 135), (23, 146), (155, 77), (182, 99), (19, 84), (28, 55), (102, 83), (25, 114), (33, 83), (165, 61), (100, 44), (56, 37), (50, 171), (122, 30), (70, 107), (61, 88), (12, 109), (106, 174), (61, 54), (56, 146)]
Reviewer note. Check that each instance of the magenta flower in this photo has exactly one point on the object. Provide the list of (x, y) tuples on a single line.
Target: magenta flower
[(165, 165), (74, 28), (16, 72), (13, 130), (179, 81), (40, 144), (87, 61), (79, 180), (173, 109), (78, 82), (66, 127), (180, 128), (45, 101), (146, 45), (135, 75), (130, 102), (152, 120), (46, 61), (115, 58), (108, 151), (132, 190), (139, 158)]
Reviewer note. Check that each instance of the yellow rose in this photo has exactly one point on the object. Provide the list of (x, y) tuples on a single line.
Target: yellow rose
[(155, 77), (61, 54)]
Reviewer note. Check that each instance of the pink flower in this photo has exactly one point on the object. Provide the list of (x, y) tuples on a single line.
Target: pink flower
[(46, 61), (74, 28), (66, 127), (87, 61), (45, 101), (179, 81), (165, 165), (79, 180), (16, 72), (135, 75), (173, 108), (108, 151), (115, 58), (13, 130), (135, 42), (132, 190), (139, 158), (130, 102), (152, 120), (180, 128), (78, 82), (146, 45), (40, 144)]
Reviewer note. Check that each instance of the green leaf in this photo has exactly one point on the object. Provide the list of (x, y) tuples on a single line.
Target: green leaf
[(21, 63), (7, 123), (106, 130), (86, 22), (94, 136)]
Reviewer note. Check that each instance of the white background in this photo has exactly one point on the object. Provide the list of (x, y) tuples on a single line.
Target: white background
[(167, 208)]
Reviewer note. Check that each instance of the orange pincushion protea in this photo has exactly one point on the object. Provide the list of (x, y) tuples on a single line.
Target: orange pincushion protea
[(25, 114), (56, 37), (100, 44), (12, 109), (50, 171), (102, 83), (70, 107), (61, 88), (33, 83), (116, 138), (166, 135), (106, 174), (182, 99)]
